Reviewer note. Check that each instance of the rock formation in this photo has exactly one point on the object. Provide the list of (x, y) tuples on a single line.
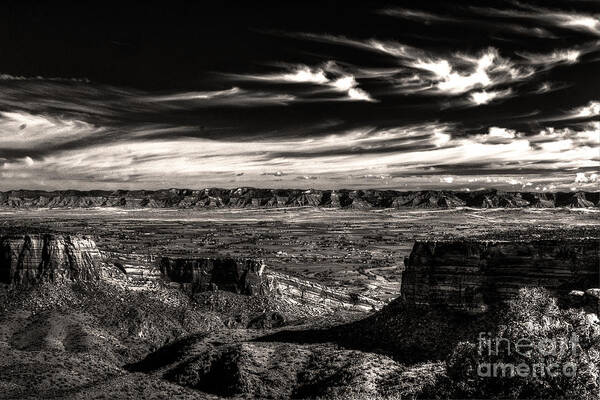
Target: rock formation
[(29, 259), (579, 200), (244, 276), (259, 198), (541, 200), (315, 296), (471, 274), (428, 199)]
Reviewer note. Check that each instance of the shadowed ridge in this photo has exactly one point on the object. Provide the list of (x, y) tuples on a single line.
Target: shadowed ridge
[(245, 197)]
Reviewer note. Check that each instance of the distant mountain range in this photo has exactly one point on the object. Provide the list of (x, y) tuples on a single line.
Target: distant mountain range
[(271, 198)]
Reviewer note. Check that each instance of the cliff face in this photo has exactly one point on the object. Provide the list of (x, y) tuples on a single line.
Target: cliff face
[(236, 275), (293, 290), (29, 259), (265, 198), (469, 275)]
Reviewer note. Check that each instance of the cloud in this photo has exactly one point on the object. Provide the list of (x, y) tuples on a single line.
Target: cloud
[(568, 56), (416, 15), (276, 173), (587, 111), (195, 95), (233, 97), (329, 76), (368, 153), (495, 135), (475, 75), (586, 135), (546, 87), (485, 97), (592, 109), (429, 18), (8, 77), (484, 70), (433, 73), (440, 137), (581, 178), (22, 130), (503, 133), (459, 73), (581, 22), (302, 74)]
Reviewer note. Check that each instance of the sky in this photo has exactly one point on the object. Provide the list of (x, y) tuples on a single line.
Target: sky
[(406, 95)]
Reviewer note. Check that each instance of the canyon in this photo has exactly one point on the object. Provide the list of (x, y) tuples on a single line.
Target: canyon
[(271, 303), (274, 198), (465, 274), (30, 259)]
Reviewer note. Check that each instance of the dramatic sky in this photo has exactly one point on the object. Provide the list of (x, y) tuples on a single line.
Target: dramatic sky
[(405, 95)]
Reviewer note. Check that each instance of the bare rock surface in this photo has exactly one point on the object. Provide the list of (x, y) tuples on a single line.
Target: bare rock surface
[(236, 275), (246, 197), (29, 259), (471, 274)]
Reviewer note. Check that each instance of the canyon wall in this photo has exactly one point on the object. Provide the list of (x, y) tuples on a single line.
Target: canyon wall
[(313, 295), (250, 277), (236, 275), (267, 198), (471, 274), (30, 259)]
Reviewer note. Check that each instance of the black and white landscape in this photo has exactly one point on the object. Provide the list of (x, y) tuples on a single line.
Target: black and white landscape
[(300, 200)]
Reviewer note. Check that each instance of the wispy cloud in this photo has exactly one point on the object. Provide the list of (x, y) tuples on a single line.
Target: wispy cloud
[(559, 56), (233, 97), (329, 76), (22, 130), (372, 152), (416, 15), (503, 133), (577, 21), (547, 87), (9, 77), (586, 111), (429, 18), (592, 109), (485, 97), (450, 74)]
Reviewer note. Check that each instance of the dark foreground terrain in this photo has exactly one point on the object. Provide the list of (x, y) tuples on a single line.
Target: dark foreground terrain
[(300, 303)]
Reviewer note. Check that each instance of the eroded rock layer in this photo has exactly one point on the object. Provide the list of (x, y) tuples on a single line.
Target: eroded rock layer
[(244, 276), (267, 198), (30, 259), (471, 274)]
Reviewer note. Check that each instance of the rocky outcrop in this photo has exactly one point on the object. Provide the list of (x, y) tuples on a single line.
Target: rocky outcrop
[(29, 259), (428, 199), (499, 199), (579, 200), (541, 200), (267, 198), (317, 297), (589, 299), (244, 276), (471, 274)]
